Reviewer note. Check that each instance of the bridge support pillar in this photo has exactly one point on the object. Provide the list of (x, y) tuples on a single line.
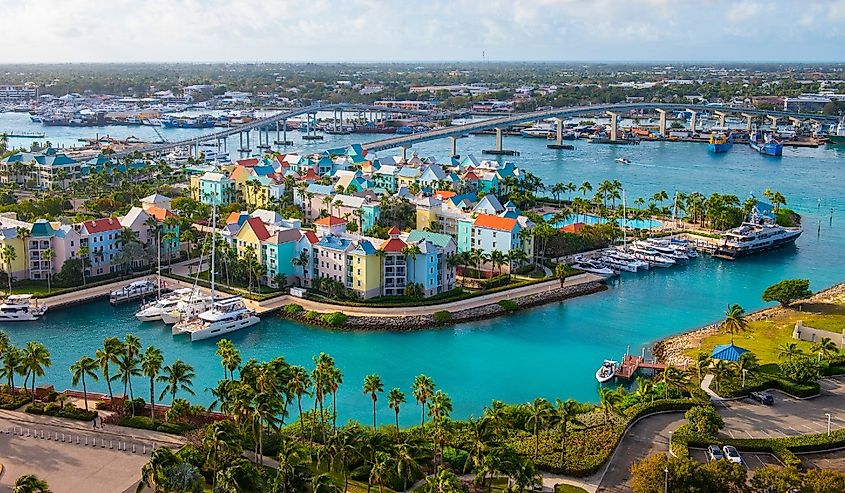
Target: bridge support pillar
[(614, 124), (500, 150), (453, 142), (721, 115), (662, 114), (405, 152), (559, 136), (796, 122), (748, 121), (774, 120), (499, 139), (692, 120)]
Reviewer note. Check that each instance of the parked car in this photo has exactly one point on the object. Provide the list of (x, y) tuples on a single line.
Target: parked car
[(763, 398), (714, 453), (732, 454)]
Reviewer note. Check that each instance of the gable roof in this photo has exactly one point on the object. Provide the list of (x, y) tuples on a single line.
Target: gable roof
[(393, 245), (102, 225), (329, 221), (439, 239), (258, 228), (495, 222), (285, 236), (310, 236), (159, 213)]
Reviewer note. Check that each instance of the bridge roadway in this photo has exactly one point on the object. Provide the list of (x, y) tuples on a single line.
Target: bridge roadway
[(267, 121), (408, 140)]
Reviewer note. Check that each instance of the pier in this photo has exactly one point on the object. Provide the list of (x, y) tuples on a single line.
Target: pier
[(23, 135), (632, 364)]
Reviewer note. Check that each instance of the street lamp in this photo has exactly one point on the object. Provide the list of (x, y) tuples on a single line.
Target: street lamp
[(670, 443), (666, 483), (744, 372), (828, 423)]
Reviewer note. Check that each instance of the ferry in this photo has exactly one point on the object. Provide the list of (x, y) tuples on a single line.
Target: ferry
[(755, 237), (21, 308), (226, 316), (719, 142), (202, 121), (765, 143), (133, 291), (606, 371)]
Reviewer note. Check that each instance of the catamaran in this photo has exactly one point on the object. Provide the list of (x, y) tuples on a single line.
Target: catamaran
[(21, 308), (154, 310)]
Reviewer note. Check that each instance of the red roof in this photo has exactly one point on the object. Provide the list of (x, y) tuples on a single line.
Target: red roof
[(101, 225), (573, 228), (394, 245), (312, 237), (469, 175), (281, 159), (258, 228), (494, 222), (311, 175), (159, 213), (329, 221), (394, 231), (247, 162)]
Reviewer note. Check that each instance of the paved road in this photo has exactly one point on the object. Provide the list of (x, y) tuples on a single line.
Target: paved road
[(750, 460), (788, 416), (647, 437), (825, 460)]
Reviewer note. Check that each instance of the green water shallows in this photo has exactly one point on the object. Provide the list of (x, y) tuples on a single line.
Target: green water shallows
[(550, 351)]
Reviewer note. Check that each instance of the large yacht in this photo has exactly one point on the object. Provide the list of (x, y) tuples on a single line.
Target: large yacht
[(21, 308), (154, 310), (133, 291), (227, 315), (187, 307), (754, 237)]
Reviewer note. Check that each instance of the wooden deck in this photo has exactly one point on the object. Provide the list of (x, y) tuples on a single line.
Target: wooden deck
[(632, 364)]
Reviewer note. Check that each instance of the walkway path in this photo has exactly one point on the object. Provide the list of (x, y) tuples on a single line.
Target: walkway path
[(86, 294)]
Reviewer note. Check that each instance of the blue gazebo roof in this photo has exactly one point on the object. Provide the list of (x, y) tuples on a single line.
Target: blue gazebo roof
[(728, 352)]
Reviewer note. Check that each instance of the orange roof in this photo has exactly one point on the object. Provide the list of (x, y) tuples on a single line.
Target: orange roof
[(258, 228), (494, 222), (312, 237), (329, 221), (394, 245), (159, 213), (394, 231), (444, 194), (248, 162), (101, 225), (573, 228), (311, 175), (233, 217)]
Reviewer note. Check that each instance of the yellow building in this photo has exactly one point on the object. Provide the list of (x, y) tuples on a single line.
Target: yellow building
[(9, 238), (365, 269)]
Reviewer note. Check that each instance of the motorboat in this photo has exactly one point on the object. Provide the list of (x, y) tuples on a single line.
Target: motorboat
[(618, 264), (755, 237), (153, 311), (621, 254), (224, 317), (135, 290), (651, 255), (664, 248), (21, 308), (592, 266), (187, 308), (622, 160), (606, 371)]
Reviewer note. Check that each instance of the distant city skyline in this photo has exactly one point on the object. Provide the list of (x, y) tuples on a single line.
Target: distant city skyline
[(438, 30)]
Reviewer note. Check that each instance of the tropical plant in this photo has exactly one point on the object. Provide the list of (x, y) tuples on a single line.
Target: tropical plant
[(34, 359), (177, 376), (30, 483), (395, 398), (373, 386), (538, 413), (84, 366), (151, 363), (788, 291), (565, 413), (734, 322), (423, 389), (609, 401)]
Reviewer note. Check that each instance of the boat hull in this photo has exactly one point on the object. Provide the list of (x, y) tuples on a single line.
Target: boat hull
[(836, 139), (767, 149), (226, 329), (719, 148), (728, 253)]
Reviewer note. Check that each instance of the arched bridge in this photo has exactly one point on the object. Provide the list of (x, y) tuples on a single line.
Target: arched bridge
[(268, 122), (568, 112)]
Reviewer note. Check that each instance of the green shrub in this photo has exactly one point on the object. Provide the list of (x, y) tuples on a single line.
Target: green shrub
[(442, 316), (102, 406), (10, 402), (508, 305), (334, 319), (312, 316), (145, 423), (704, 420), (292, 309), (68, 411), (496, 281), (455, 457)]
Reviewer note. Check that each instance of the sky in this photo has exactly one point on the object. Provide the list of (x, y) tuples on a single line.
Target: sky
[(41, 31)]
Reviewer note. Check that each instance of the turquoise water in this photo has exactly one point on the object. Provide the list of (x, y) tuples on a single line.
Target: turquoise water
[(590, 219), (550, 351)]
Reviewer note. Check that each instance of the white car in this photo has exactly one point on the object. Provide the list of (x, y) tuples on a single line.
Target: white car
[(732, 454)]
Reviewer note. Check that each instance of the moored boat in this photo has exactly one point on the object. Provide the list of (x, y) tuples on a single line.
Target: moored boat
[(606, 371), (21, 308), (765, 143), (226, 316), (135, 290), (720, 142), (756, 236)]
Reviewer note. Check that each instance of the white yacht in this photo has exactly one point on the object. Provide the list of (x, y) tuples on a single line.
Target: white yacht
[(621, 254), (651, 256), (592, 266), (21, 308), (135, 290), (618, 263), (540, 131), (153, 311), (664, 248), (187, 308), (227, 315), (754, 237), (606, 371)]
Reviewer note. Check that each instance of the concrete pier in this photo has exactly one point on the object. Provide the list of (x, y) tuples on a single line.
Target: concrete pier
[(692, 120), (559, 137), (614, 124), (748, 121), (662, 114), (499, 151)]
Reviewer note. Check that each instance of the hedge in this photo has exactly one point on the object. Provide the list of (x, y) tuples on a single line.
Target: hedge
[(508, 305), (442, 316), (68, 411), (10, 402), (334, 319), (763, 381), (637, 411), (145, 423)]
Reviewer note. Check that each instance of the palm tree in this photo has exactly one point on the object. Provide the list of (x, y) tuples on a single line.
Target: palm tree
[(85, 366), (381, 470), (406, 462), (609, 401), (108, 354), (565, 413), (395, 398), (439, 407), (675, 378), (298, 384), (85, 258), (825, 348), (153, 473), (35, 359), (747, 363), (538, 413), (721, 371), (516, 256), (230, 357), (344, 448), (12, 357), (734, 322), (789, 350), (334, 377), (423, 388), (702, 364), (498, 259), (9, 255), (151, 362), (177, 376), (373, 386), (29, 483)]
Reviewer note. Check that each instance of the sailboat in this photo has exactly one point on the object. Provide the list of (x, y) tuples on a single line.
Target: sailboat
[(225, 315)]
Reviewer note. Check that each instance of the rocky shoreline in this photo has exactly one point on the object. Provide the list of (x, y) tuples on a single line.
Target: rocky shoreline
[(672, 350), (440, 319)]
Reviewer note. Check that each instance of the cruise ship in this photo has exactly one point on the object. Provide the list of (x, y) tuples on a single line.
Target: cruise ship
[(754, 237)]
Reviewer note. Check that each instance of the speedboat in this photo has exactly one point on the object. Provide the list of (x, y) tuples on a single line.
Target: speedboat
[(650, 255), (593, 267), (21, 308), (135, 290), (621, 254), (226, 316), (622, 160), (187, 308), (664, 248), (618, 263), (153, 311), (606, 371)]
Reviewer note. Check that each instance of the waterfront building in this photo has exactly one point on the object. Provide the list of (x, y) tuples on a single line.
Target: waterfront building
[(431, 267), (17, 267), (489, 233), (144, 220), (395, 275), (15, 92), (102, 237), (48, 246), (214, 188), (44, 170), (385, 177)]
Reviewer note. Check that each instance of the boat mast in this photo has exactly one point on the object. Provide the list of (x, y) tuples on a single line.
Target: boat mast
[(158, 242), (624, 224), (213, 238)]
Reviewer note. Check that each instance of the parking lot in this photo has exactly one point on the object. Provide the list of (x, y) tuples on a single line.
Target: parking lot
[(750, 460), (825, 460), (747, 418)]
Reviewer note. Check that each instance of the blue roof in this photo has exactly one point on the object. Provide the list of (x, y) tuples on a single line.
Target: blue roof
[(728, 352), (409, 172), (467, 196), (333, 242), (320, 189), (365, 247)]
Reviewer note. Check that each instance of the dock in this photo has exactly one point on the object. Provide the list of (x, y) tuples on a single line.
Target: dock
[(23, 135), (632, 364)]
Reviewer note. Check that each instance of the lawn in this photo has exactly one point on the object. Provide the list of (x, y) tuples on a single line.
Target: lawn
[(764, 337), (568, 488)]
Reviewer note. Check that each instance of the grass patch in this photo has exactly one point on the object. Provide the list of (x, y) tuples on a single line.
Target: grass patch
[(568, 488)]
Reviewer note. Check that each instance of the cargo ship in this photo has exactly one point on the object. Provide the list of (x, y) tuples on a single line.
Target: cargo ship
[(719, 142), (765, 143)]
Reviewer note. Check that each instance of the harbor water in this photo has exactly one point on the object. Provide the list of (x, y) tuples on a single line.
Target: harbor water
[(550, 351)]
